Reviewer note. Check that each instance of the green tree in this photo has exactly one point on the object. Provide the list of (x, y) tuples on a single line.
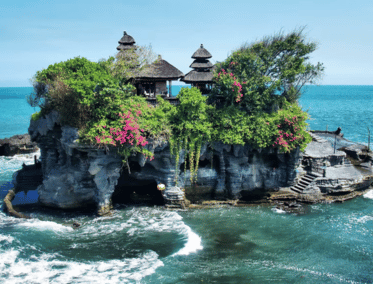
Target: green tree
[(127, 64), (68, 87), (261, 75)]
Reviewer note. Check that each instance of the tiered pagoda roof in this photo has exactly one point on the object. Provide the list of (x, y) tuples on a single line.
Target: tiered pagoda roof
[(202, 67), (201, 53), (126, 42)]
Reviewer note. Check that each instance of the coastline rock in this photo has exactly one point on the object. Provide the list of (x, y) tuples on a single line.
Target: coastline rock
[(17, 144), (76, 175)]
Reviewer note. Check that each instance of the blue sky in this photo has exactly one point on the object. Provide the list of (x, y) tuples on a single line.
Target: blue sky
[(35, 34)]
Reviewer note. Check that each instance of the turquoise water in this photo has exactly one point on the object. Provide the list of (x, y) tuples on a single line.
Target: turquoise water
[(348, 107), (327, 243), (15, 112)]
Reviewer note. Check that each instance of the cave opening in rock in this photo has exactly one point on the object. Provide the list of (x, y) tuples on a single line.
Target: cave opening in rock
[(132, 188)]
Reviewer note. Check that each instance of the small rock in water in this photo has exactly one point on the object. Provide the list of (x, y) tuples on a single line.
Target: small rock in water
[(76, 225)]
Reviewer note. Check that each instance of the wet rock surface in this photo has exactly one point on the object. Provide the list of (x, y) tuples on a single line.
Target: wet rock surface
[(17, 144)]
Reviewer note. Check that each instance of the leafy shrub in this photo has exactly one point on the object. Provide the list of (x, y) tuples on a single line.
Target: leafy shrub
[(36, 116), (68, 87), (124, 121)]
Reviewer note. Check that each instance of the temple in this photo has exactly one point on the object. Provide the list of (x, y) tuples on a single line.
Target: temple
[(152, 79), (201, 75), (126, 42)]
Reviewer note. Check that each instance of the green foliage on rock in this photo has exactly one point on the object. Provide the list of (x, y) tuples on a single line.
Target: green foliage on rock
[(257, 87), (68, 87), (89, 96), (36, 116), (124, 121), (257, 76), (191, 126)]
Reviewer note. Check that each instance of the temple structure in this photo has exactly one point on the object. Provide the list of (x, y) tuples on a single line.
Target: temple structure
[(126, 42), (152, 79), (201, 75)]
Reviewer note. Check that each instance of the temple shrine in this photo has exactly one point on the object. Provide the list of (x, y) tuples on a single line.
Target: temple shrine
[(152, 79), (126, 42), (201, 75)]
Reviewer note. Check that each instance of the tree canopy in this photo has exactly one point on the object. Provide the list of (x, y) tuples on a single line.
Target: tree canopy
[(263, 74)]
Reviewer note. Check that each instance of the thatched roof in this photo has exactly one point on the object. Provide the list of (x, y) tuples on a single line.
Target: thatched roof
[(126, 47), (160, 69), (201, 63), (196, 77), (126, 42), (201, 53), (126, 39)]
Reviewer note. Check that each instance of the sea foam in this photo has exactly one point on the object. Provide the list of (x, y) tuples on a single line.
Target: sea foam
[(193, 244), (45, 225), (47, 269), (369, 194)]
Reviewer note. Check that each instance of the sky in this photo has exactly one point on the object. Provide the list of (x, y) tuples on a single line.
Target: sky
[(37, 33)]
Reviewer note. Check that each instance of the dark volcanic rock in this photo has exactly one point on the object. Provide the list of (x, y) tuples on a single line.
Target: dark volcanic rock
[(28, 178), (18, 144), (75, 175)]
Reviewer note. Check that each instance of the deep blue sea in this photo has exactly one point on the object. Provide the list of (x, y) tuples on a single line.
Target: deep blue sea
[(328, 243)]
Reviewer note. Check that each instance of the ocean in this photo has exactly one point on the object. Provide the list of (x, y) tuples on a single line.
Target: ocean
[(326, 243)]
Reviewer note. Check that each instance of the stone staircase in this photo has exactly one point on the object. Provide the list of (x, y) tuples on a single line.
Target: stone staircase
[(304, 182), (317, 138)]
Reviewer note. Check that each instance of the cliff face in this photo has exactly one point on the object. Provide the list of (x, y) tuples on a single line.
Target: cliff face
[(75, 175)]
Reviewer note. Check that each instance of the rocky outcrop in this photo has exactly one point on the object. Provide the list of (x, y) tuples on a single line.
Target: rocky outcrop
[(327, 174), (17, 144), (236, 171), (76, 175), (28, 178)]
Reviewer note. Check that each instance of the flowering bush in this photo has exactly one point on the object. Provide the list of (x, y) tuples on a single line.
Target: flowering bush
[(291, 133), (229, 85), (124, 121)]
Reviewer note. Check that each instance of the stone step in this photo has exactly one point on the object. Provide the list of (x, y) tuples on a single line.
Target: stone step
[(299, 187), (304, 184), (310, 179), (314, 175), (295, 190), (318, 138), (173, 206)]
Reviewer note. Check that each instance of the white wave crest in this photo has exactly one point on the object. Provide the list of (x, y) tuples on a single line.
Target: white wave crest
[(140, 221), (193, 244), (278, 210), (364, 219), (168, 221), (8, 239), (45, 225), (369, 194), (48, 268)]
